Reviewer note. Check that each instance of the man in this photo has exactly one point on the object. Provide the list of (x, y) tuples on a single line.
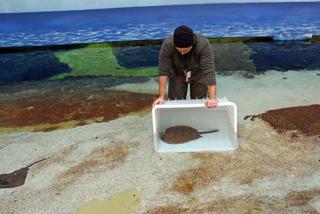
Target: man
[(187, 58)]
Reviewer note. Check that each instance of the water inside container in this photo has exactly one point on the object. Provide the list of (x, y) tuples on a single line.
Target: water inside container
[(202, 119)]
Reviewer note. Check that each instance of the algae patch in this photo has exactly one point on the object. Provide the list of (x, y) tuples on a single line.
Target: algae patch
[(234, 58), (97, 60), (124, 202), (49, 110), (99, 160)]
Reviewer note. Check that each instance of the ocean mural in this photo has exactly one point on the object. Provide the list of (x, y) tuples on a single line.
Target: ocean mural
[(16, 6), (126, 41), (281, 21)]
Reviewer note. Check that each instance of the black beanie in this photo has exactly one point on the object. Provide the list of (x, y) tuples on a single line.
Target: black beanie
[(183, 37)]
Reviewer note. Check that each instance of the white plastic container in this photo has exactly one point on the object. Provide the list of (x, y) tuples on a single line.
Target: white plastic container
[(194, 113)]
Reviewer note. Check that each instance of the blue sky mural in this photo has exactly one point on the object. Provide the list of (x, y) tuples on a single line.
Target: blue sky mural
[(283, 21)]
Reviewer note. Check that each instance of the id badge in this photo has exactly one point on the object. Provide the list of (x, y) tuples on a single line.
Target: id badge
[(188, 75)]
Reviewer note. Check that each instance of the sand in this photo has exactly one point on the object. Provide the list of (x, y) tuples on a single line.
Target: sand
[(269, 173)]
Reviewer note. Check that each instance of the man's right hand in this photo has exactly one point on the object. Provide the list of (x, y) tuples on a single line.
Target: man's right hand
[(160, 100), (162, 90)]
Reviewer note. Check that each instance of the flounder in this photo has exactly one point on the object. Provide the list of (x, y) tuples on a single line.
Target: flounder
[(181, 134)]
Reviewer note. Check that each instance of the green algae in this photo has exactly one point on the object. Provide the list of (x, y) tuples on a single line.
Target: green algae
[(240, 39), (212, 40), (230, 57), (315, 38), (136, 43), (97, 60)]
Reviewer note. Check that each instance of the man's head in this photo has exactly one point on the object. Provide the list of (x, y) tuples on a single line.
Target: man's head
[(183, 39)]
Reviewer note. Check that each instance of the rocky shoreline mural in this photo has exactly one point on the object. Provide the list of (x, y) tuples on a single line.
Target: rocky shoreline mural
[(140, 60)]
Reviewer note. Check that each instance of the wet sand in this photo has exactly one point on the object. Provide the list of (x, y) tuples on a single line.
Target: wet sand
[(271, 172)]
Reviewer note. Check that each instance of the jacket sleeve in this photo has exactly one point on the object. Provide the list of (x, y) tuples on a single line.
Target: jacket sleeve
[(165, 61), (207, 63)]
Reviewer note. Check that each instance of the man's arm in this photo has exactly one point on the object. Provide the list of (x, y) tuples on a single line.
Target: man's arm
[(163, 79), (162, 86), (208, 67), (212, 90), (212, 102), (165, 66)]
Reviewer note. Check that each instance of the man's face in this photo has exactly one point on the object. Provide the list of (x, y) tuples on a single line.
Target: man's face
[(184, 51)]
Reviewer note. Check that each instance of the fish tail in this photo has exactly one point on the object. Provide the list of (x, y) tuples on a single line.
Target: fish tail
[(36, 162), (211, 131)]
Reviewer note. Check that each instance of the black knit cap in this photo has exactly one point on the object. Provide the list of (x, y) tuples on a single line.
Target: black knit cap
[(183, 37)]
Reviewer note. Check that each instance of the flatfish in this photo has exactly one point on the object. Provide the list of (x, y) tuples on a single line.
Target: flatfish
[(16, 178), (181, 134)]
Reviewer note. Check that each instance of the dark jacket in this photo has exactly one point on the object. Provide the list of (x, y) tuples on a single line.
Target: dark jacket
[(200, 61)]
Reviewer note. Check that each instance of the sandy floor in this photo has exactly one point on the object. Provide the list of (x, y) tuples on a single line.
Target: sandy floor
[(269, 173)]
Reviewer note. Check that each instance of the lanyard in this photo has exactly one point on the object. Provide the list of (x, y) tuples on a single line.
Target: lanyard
[(185, 60)]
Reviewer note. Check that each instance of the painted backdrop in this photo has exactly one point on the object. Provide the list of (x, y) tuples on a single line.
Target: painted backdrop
[(18, 6), (282, 21)]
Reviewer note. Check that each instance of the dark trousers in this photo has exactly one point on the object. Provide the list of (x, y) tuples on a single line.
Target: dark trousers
[(178, 90)]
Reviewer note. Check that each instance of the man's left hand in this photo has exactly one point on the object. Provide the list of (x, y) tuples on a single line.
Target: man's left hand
[(211, 103)]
